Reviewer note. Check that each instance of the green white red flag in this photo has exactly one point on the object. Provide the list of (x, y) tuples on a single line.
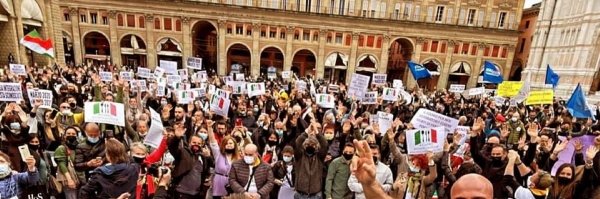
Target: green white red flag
[(37, 44)]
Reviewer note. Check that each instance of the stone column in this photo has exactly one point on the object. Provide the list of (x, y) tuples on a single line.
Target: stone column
[(352, 59), (477, 67), (255, 66), (385, 53), (509, 59), (187, 40), (22, 55), (115, 48), (320, 65), (78, 46), (222, 52), (410, 79), (289, 51), (445, 73), (151, 56), (55, 18)]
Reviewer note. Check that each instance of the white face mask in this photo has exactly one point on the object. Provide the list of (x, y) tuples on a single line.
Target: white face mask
[(4, 170), (514, 119), (287, 159), (66, 112), (249, 159)]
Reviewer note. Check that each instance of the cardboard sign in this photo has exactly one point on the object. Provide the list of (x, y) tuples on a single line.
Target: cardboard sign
[(540, 97), (240, 77), (44, 95), (183, 73), (185, 96), (379, 79), (325, 100), (370, 98), (158, 72), (384, 120), (106, 76), (509, 88), (10, 92), (477, 91), (390, 94), (155, 133), (398, 84), (423, 140), (126, 76), (220, 105), (358, 86), (105, 113), (301, 85), (194, 63), (238, 87), (18, 69), (255, 89), (456, 88), (286, 74), (144, 73), (169, 66), (425, 118), (171, 79)]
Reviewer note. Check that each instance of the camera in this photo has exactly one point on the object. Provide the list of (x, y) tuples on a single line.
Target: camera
[(156, 170)]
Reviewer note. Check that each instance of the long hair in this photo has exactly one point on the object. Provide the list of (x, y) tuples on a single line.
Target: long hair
[(116, 151), (236, 154), (564, 191)]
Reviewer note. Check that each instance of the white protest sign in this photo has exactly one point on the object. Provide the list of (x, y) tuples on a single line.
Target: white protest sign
[(477, 91), (144, 72), (358, 86), (255, 89), (18, 69), (138, 84), (158, 72), (332, 88), (301, 85), (194, 62), (171, 79), (370, 98), (221, 93), (238, 87), (155, 133), (220, 105), (428, 119), (423, 140), (106, 76), (379, 79), (183, 73), (456, 88), (44, 95), (385, 121), (126, 76), (271, 72), (398, 84), (105, 113), (390, 94), (464, 131), (240, 77), (10, 92), (499, 101), (185, 96), (286, 74), (169, 66), (325, 100), (199, 76), (406, 96), (593, 108), (200, 92)]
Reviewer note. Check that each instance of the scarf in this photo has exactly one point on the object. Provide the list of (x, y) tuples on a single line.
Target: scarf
[(413, 186)]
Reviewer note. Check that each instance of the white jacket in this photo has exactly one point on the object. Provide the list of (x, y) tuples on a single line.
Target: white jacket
[(383, 176)]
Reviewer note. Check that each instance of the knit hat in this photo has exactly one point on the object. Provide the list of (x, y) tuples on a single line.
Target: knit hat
[(500, 118)]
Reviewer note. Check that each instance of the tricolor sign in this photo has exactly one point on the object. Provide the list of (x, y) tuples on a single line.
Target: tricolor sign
[(421, 141), (105, 113)]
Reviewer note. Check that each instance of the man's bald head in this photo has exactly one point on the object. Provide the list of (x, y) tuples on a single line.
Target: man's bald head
[(250, 150), (472, 186)]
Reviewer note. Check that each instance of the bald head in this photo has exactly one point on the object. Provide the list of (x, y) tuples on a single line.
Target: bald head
[(472, 186), (250, 150)]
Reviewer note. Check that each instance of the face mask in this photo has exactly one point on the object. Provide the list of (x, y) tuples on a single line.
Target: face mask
[(260, 123), (203, 136), (279, 132), (255, 109), (514, 119), (497, 160), (93, 140), (563, 180), (287, 159), (348, 156), (4, 170), (238, 139), (229, 151), (15, 126), (72, 105), (375, 159), (272, 143), (195, 148), (66, 112), (249, 159), (34, 147), (242, 113), (139, 159), (328, 136), (414, 169), (310, 151)]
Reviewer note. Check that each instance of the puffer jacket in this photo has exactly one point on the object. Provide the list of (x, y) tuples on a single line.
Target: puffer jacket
[(85, 152), (110, 181)]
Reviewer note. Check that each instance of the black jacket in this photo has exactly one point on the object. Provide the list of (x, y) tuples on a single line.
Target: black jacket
[(110, 181)]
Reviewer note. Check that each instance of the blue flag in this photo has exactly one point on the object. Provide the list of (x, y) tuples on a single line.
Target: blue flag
[(551, 77), (577, 104), (418, 71), (491, 73)]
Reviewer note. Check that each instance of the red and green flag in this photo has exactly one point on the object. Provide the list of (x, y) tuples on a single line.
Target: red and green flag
[(105, 108), (37, 44)]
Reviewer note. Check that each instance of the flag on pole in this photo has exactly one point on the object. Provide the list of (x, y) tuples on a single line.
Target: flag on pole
[(418, 71), (577, 104), (551, 77), (491, 73), (37, 44)]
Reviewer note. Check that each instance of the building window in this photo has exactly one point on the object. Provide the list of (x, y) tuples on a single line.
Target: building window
[(273, 34), (282, 35), (364, 13), (439, 15), (104, 19), (338, 38), (332, 7), (239, 29), (407, 8), (315, 37), (168, 24), (297, 5), (471, 16), (527, 24), (379, 42), (318, 8), (329, 38), (67, 17), (306, 36), (83, 18), (120, 21), (284, 4), (177, 25), (342, 7), (142, 22), (297, 35), (372, 13), (157, 24), (229, 29), (474, 50), (370, 41), (501, 19), (465, 49), (263, 32), (307, 6), (248, 30), (504, 52), (443, 48), (434, 46), (425, 47), (522, 45), (94, 18), (131, 21), (361, 41)]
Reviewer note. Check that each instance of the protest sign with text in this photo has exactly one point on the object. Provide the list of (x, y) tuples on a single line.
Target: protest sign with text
[(456, 88), (155, 132), (423, 140), (144, 72), (105, 113), (379, 79), (370, 98), (428, 119), (169, 66), (358, 86), (18, 69), (10, 92), (194, 63), (325, 100), (545, 96), (44, 95), (390, 94)]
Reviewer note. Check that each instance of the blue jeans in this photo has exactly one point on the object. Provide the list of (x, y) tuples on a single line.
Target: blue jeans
[(304, 196)]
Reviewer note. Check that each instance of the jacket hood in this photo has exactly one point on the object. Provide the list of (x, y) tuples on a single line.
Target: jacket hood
[(110, 169)]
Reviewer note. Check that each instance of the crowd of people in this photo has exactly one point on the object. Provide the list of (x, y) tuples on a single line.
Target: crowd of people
[(282, 144)]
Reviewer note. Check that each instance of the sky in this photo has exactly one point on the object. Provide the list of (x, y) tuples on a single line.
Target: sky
[(528, 3)]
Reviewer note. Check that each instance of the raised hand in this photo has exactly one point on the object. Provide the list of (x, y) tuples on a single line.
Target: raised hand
[(456, 138), (533, 130), (179, 130), (561, 146), (363, 167), (391, 134), (590, 153), (521, 143)]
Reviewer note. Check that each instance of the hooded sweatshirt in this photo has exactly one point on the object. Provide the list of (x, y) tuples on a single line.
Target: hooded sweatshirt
[(110, 181)]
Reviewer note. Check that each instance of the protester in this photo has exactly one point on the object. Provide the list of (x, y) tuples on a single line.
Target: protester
[(224, 156), (472, 186), (283, 172), (12, 182), (251, 176), (383, 176), (90, 153), (338, 173)]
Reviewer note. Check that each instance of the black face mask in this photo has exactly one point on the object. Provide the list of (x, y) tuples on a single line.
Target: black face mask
[(71, 142), (272, 143), (310, 151), (348, 156), (195, 149), (34, 147), (563, 180), (229, 151), (497, 161), (375, 159), (73, 105), (138, 160), (238, 139)]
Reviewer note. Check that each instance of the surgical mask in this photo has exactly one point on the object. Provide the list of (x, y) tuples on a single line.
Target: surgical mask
[(163, 102), (287, 159), (279, 132), (93, 140), (255, 109), (260, 123), (4, 170), (15, 126), (249, 159), (242, 113), (413, 168), (328, 136), (66, 112), (203, 136), (514, 119)]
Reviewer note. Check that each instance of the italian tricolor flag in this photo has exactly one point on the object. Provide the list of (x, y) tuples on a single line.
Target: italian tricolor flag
[(37, 44)]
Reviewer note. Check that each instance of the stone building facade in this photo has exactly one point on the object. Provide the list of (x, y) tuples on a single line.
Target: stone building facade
[(332, 39), (525, 41)]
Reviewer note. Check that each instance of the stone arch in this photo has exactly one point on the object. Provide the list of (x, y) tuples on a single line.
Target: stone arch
[(372, 58), (439, 64), (273, 46)]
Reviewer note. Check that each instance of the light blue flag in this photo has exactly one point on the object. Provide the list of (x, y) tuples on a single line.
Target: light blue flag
[(491, 73)]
